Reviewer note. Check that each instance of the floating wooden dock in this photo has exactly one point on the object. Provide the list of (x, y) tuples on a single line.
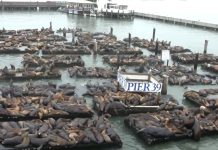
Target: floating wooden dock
[(185, 22)]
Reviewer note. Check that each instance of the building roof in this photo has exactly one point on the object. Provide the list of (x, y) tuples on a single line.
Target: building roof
[(70, 1)]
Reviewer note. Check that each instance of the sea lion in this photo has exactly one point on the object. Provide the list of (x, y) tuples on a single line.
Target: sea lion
[(43, 129), (14, 124), (63, 134), (157, 132), (196, 130), (26, 141), (90, 135), (98, 135), (57, 139), (114, 106), (6, 126), (39, 141), (107, 139), (13, 140), (52, 122)]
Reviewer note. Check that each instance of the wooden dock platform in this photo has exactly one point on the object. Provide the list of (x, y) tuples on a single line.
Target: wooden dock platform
[(185, 22)]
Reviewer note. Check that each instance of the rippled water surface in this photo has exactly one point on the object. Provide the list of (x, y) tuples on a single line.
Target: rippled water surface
[(178, 35)]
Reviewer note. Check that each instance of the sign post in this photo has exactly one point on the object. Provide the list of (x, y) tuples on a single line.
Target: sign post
[(165, 56)]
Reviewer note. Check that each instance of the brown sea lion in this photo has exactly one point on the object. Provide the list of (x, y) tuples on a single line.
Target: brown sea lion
[(57, 139), (39, 141), (107, 139), (26, 141), (43, 129), (98, 136), (13, 140), (90, 135), (196, 130)]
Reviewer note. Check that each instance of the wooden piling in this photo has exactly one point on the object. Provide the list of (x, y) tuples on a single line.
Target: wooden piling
[(156, 48), (111, 32), (149, 76), (73, 37), (129, 39), (164, 85), (167, 62), (153, 37), (95, 46), (205, 46), (64, 33), (118, 59), (50, 26), (196, 62)]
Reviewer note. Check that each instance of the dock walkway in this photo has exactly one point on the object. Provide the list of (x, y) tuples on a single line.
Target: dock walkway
[(185, 22)]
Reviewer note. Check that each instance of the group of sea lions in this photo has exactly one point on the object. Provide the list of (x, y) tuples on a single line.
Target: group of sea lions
[(26, 41), (58, 133), (53, 61), (65, 48), (152, 45), (204, 97), (44, 101), (212, 66), (173, 125), (69, 30), (177, 74), (118, 47), (107, 44), (55, 105), (94, 89), (130, 60), (43, 72), (36, 89), (97, 72), (118, 103), (190, 58)]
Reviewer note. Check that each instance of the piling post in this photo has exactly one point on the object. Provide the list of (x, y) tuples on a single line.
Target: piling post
[(196, 62), (95, 46), (153, 37), (111, 32), (156, 48), (64, 33), (205, 46), (73, 37), (149, 76), (118, 14), (118, 86), (118, 59), (83, 11), (111, 13), (50, 26), (129, 39), (164, 85), (2, 5)]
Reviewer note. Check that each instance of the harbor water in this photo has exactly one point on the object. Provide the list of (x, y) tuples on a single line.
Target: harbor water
[(191, 38)]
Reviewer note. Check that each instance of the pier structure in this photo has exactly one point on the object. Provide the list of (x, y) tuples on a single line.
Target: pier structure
[(185, 22), (120, 14), (30, 5)]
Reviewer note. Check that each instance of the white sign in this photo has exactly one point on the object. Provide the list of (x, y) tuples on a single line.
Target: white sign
[(165, 55), (138, 86), (143, 87)]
